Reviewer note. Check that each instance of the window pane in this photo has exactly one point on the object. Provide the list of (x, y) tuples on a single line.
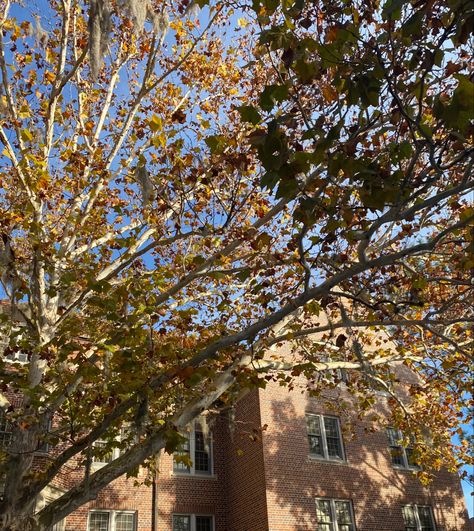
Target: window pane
[(344, 516), (343, 512), (410, 459), (184, 450), (181, 522), (323, 512), (330, 425), (334, 447), (409, 517), (98, 521), (333, 439), (315, 445), (313, 425), (201, 453), (396, 455), (104, 457), (426, 518), (124, 522), (394, 437), (203, 523)]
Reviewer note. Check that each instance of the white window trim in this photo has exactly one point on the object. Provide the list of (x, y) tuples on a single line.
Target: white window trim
[(100, 464), (417, 516), (333, 502), (406, 465), (116, 452), (112, 515), (326, 456), (193, 519), (192, 448)]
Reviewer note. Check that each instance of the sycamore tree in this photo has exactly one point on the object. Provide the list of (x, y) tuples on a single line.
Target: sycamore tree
[(183, 189)]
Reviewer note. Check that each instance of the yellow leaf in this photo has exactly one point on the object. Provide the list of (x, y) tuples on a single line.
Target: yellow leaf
[(42, 182), (50, 76), (26, 135), (159, 140), (156, 123)]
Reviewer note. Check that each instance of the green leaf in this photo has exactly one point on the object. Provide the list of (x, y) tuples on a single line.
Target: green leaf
[(405, 150), (272, 94), (249, 114), (287, 187), (269, 180), (392, 9), (216, 143)]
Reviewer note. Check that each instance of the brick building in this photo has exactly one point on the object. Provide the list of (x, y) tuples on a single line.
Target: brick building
[(301, 472), (286, 462)]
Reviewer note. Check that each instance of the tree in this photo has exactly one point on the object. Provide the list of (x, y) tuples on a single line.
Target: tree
[(163, 225)]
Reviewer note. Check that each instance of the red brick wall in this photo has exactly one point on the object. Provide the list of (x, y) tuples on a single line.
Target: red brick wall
[(119, 495), (246, 492), (376, 489)]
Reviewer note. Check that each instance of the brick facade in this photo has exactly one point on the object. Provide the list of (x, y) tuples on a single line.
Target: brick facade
[(265, 480)]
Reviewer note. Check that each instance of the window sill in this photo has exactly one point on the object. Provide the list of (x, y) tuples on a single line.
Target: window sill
[(327, 461), (96, 466), (406, 468), (193, 476)]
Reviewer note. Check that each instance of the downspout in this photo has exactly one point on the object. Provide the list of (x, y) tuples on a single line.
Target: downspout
[(154, 494)]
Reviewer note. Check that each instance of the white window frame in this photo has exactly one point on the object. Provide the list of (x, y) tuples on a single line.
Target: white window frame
[(191, 471), (332, 502), (193, 520), (403, 451), (112, 514), (326, 456), (417, 516), (95, 461), (116, 452)]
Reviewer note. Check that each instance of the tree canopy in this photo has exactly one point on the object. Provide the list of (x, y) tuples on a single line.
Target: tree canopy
[(186, 184)]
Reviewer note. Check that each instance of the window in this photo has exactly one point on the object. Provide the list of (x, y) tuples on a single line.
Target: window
[(13, 352), (47, 496), (401, 456), (111, 521), (5, 431), (192, 522), (334, 515), (43, 445), (17, 357), (104, 457), (198, 450), (108, 455), (418, 518), (324, 437)]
